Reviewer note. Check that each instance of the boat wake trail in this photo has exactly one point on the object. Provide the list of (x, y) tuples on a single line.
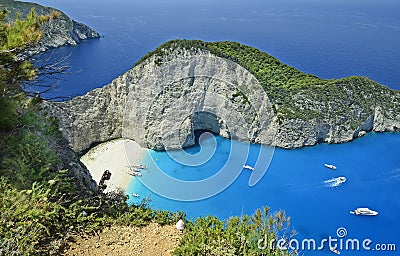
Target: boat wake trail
[(334, 182)]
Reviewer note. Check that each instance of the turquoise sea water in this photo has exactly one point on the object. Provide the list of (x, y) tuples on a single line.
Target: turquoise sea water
[(295, 182)]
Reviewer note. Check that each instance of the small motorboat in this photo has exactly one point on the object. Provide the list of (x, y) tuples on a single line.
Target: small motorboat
[(141, 166), (133, 168), (330, 166), (135, 173), (135, 195), (248, 167), (334, 182), (364, 211)]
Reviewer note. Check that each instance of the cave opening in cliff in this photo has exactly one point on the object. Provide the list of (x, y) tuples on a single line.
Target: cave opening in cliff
[(198, 133), (204, 122)]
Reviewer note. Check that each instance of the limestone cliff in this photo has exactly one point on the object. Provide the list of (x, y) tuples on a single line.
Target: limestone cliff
[(160, 106), (57, 32), (182, 87)]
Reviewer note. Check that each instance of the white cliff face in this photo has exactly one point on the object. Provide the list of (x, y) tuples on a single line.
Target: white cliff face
[(92, 118), (160, 106), (161, 102), (166, 103)]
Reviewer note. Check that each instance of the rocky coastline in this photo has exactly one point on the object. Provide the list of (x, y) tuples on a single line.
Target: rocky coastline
[(59, 31)]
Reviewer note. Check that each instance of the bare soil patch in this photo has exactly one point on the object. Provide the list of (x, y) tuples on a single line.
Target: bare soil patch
[(120, 240)]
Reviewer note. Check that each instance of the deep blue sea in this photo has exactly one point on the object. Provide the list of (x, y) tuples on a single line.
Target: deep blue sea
[(330, 38)]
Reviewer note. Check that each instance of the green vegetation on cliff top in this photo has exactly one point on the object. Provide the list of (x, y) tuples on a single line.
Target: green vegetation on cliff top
[(297, 95), (23, 8), (277, 78)]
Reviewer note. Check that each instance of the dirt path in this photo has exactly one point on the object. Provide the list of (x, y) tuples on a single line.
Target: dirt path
[(118, 241)]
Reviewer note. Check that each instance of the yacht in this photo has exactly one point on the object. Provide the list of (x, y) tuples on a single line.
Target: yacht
[(248, 167), (330, 166), (364, 211)]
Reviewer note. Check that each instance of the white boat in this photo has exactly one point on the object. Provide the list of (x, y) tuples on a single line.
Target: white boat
[(334, 182), (248, 167), (133, 168), (135, 173), (135, 195), (364, 211), (141, 166), (330, 166), (335, 250)]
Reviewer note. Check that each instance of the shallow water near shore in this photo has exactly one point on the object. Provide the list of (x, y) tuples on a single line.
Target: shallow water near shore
[(295, 182)]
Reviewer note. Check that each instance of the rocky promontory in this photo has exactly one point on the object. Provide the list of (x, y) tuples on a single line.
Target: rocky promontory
[(57, 32), (230, 89)]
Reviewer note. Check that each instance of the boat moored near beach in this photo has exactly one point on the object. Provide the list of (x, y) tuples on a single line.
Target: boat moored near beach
[(140, 166), (135, 173), (364, 211)]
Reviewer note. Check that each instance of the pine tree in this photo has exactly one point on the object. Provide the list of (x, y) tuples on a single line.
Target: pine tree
[(15, 38)]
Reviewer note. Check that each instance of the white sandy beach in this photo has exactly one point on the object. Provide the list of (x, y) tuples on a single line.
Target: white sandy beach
[(115, 156)]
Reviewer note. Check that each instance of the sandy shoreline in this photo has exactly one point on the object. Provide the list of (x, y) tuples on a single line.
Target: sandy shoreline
[(115, 156)]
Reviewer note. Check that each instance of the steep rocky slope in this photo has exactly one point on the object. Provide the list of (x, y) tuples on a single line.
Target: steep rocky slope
[(184, 86), (57, 32)]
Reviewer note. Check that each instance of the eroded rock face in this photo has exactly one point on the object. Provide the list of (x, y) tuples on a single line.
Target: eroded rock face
[(161, 105), (64, 31), (166, 103), (92, 118), (161, 102)]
